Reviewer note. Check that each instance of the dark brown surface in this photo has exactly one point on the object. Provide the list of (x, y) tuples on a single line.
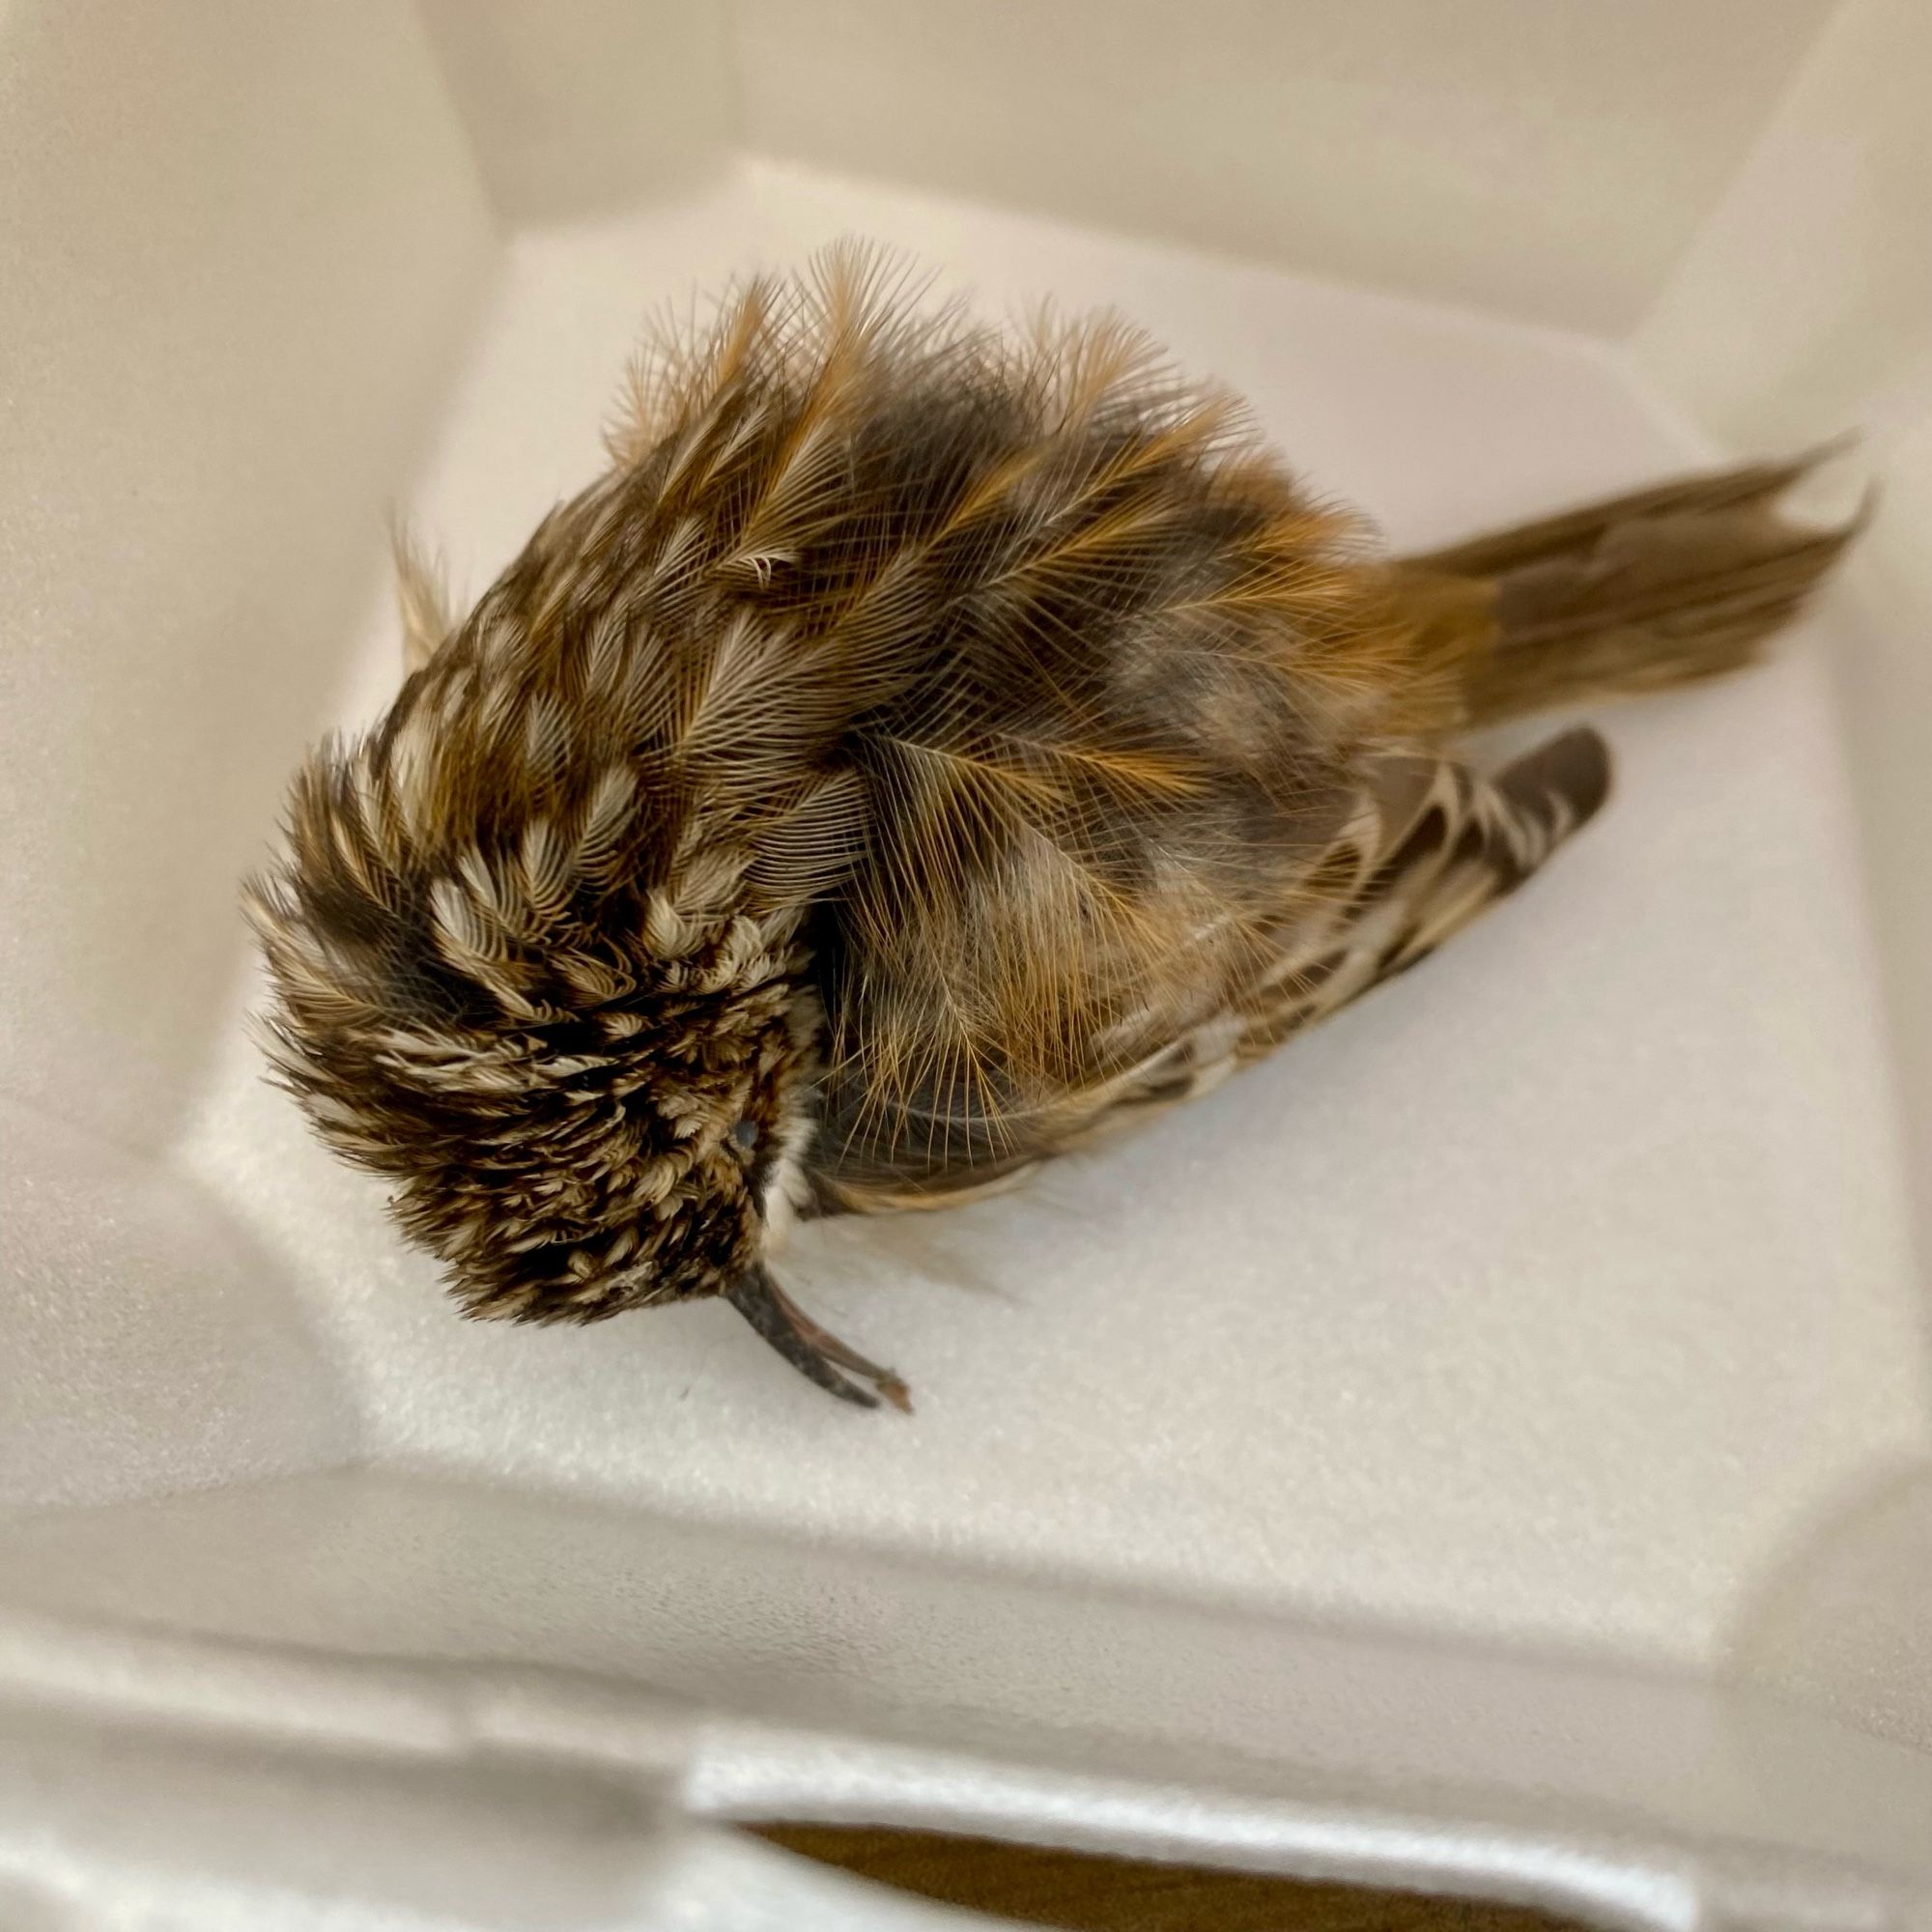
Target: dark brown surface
[(1078, 1893)]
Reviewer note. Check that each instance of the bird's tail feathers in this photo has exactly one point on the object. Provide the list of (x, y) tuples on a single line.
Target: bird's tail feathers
[(1663, 587)]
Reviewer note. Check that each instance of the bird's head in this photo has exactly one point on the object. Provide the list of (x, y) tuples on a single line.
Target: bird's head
[(534, 967), (587, 1093)]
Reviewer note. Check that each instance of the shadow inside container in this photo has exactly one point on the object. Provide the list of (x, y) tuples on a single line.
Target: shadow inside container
[(151, 1345), (1839, 1620)]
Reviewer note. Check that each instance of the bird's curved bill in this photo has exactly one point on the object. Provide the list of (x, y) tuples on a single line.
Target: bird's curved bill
[(816, 1353)]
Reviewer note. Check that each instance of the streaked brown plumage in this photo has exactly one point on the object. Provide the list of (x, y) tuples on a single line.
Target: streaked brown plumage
[(921, 750)]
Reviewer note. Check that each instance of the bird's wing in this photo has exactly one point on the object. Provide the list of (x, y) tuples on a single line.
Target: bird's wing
[(1432, 845), (1427, 846)]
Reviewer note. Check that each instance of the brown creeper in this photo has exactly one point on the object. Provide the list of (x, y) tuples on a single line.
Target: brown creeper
[(923, 749)]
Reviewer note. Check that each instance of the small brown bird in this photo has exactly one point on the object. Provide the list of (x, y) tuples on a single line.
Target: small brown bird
[(923, 749)]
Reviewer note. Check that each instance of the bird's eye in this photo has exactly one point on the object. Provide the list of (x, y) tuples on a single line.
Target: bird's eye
[(745, 1135)]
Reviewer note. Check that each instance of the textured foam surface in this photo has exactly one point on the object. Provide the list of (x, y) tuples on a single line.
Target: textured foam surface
[(1555, 1293)]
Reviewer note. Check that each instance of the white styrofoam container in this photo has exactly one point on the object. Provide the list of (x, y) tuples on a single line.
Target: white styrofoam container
[(1487, 1448)]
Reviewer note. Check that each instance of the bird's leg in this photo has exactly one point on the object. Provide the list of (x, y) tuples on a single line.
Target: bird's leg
[(816, 1353)]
